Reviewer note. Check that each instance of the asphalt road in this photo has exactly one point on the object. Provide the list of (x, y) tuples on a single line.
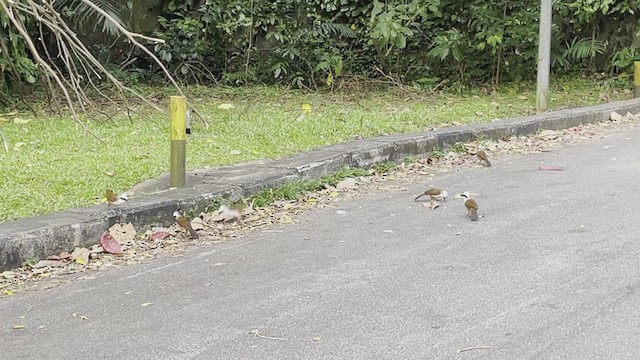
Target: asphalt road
[(552, 271)]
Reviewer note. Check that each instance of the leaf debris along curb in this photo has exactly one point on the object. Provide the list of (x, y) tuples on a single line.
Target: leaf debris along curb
[(41, 236)]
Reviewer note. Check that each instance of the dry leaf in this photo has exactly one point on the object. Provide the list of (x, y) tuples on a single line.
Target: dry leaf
[(434, 204), (81, 255), (547, 135), (226, 214), (96, 249), (226, 106), (109, 244), (21, 121), (123, 233), (285, 219), (18, 327), (62, 256), (198, 224), (614, 116), (348, 183), (146, 304), (49, 263), (8, 274), (159, 235)]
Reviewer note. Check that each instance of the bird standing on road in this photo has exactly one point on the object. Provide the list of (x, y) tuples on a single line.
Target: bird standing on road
[(114, 199), (471, 205), (434, 194), (185, 224), (483, 157)]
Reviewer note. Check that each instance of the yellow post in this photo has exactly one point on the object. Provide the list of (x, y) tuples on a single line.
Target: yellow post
[(177, 166), (636, 79)]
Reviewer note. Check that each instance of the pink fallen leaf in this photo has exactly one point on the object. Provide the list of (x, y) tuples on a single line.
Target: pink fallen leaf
[(550, 168), (159, 235), (109, 244)]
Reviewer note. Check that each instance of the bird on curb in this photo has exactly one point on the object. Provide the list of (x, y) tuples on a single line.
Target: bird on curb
[(185, 224), (471, 205), (483, 157), (115, 199), (434, 194)]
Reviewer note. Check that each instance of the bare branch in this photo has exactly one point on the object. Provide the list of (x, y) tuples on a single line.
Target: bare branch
[(74, 68)]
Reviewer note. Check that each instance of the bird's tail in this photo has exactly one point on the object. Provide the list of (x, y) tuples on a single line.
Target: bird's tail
[(192, 232), (473, 214), (419, 196), (487, 162)]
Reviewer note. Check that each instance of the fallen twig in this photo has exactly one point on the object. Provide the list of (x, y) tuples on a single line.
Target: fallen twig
[(481, 347), (4, 141), (256, 333), (550, 168)]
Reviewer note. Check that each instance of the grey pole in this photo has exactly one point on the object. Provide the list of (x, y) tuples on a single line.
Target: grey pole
[(544, 56)]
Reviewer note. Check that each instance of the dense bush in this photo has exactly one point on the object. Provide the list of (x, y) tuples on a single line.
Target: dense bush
[(315, 42), (320, 43), (16, 65)]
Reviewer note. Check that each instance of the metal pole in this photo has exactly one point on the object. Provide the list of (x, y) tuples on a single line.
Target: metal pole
[(636, 79), (544, 56), (177, 164)]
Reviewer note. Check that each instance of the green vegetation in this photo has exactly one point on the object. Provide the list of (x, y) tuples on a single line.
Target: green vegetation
[(438, 153), (48, 169), (458, 147), (295, 189), (327, 44), (384, 167)]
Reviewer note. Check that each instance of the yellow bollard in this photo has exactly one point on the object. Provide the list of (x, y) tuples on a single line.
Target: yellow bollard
[(636, 79), (177, 165)]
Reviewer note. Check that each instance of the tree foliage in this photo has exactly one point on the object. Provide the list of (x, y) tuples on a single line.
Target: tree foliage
[(314, 42), (63, 60), (320, 43)]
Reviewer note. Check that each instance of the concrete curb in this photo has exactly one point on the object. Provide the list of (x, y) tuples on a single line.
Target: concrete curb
[(45, 235)]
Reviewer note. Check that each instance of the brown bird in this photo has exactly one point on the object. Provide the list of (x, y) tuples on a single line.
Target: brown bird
[(483, 157), (471, 205), (434, 194), (114, 199), (185, 224)]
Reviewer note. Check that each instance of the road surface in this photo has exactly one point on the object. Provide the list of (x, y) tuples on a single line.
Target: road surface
[(552, 271)]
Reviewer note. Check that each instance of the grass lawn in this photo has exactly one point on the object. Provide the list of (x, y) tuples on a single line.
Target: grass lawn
[(47, 169)]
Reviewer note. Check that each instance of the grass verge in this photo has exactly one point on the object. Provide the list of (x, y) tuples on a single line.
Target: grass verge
[(48, 169)]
